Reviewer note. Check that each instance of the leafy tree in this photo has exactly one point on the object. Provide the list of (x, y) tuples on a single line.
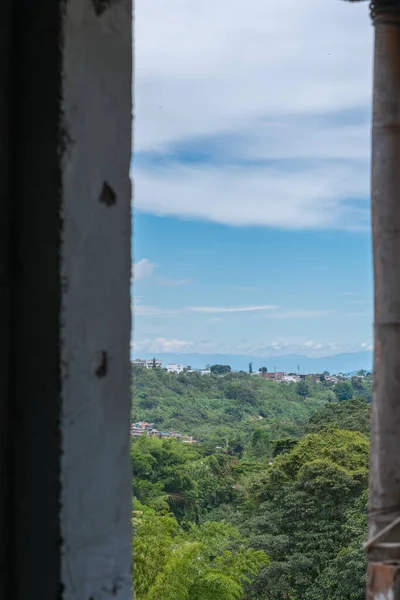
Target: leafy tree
[(302, 389), (353, 415), (154, 363), (243, 394), (357, 384), (260, 443), (206, 516), (306, 503), (263, 370), (283, 446), (250, 368), (343, 391), (345, 577), (220, 369), (201, 564)]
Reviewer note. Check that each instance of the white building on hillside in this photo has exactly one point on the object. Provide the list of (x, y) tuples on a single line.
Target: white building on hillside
[(291, 378), (175, 368), (148, 364)]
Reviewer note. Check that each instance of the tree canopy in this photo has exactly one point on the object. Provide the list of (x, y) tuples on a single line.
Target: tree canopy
[(271, 504)]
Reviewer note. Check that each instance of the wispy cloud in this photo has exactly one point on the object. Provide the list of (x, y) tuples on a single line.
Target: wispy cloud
[(306, 347), (146, 269), (365, 346), (151, 311), (143, 268), (291, 155), (311, 345), (230, 309), (161, 344), (318, 196)]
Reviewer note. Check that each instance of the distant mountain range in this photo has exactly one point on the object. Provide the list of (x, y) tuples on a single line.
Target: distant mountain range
[(337, 363)]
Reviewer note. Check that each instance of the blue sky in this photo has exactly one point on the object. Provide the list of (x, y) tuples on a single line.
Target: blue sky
[(251, 169)]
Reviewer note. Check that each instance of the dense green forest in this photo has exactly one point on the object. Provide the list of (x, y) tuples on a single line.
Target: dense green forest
[(272, 501)]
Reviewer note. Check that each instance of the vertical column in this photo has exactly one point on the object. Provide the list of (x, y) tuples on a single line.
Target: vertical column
[(66, 193), (95, 271), (384, 523)]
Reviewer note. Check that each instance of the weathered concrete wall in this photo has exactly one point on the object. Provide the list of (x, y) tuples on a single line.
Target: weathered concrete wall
[(96, 300), (65, 296)]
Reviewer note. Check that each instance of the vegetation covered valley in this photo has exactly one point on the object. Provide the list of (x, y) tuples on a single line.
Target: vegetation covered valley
[(270, 504)]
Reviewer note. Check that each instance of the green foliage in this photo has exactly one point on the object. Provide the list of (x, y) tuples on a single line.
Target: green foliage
[(214, 409), (303, 389), (343, 391), (283, 446), (305, 518), (177, 478), (257, 509), (208, 562), (353, 415), (260, 443), (220, 369)]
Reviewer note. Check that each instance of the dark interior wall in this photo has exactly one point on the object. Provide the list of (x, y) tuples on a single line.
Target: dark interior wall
[(36, 381), (5, 288)]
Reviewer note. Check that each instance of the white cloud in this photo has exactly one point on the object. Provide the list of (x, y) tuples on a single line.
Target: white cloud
[(161, 344), (284, 81), (308, 347), (314, 197), (143, 268), (152, 311), (311, 345), (308, 344), (365, 346), (229, 309), (201, 68)]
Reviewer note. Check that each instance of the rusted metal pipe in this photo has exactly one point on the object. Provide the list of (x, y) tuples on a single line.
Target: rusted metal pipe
[(384, 511)]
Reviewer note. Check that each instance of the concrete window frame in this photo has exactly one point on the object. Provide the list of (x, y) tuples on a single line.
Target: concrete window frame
[(65, 315)]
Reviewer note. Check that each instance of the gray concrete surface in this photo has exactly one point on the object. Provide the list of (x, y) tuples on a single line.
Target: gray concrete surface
[(65, 123)]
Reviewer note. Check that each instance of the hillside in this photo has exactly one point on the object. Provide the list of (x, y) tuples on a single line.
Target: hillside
[(215, 409), (255, 517)]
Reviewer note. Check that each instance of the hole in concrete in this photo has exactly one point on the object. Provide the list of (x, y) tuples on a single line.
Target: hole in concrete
[(100, 6), (101, 370), (108, 196)]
